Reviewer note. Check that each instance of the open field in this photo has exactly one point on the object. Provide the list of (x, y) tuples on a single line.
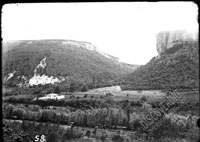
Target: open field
[(117, 116)]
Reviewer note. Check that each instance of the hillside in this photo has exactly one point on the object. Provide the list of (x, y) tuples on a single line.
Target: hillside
[(176, 67), (131, 66), (59, 61)]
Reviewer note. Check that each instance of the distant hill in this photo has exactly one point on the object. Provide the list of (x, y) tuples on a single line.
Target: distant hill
[(67, 60), (131, 66), (176, 67)]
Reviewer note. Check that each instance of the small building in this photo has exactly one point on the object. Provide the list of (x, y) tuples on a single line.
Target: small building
[(51, 96)]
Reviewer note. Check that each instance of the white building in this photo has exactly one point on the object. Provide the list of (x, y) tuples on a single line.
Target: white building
[(52, 96)]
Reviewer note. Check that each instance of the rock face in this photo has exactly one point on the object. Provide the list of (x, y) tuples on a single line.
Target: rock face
[(91, 47), (168, 39)]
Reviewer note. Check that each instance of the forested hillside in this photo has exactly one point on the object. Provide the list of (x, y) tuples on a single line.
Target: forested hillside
[(80, 63), (177, 67)]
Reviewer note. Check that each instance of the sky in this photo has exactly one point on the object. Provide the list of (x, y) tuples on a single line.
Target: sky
[(126, 30)]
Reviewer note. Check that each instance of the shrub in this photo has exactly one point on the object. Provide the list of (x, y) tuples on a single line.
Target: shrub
[(84, 88), (117, 138), (109, 100), (57, 90), (168, 129), (143, 98), (104, 136), (34, 108), (7, 109), (72, 87), (48, 115), (37, 91), (71, 134), (25, 126), (138, 103), (7, 94), (135, 125), (11, 99), (18, 112), (67, 93), (52, 137), (30, 115)]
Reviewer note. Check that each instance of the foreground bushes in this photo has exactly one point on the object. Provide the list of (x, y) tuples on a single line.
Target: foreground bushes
[(104, 117), (107, 117), (56, 133)]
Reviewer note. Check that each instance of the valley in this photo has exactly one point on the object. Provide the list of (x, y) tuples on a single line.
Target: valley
[(71, 91)]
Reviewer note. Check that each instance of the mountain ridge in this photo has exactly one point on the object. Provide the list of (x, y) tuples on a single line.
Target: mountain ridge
[(78, 62)]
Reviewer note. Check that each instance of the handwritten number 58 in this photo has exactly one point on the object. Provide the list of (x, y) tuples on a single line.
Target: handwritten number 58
[(39, 138)]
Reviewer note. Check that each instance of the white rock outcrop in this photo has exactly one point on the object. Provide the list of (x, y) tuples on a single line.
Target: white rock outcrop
[(43, 79), (90, 47), (10, 75), (168, 39)]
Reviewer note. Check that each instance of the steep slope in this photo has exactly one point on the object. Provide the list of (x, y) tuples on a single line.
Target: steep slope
[(176, 67), (59, 61)]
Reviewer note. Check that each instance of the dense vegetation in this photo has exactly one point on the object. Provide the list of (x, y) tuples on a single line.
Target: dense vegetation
[(47, 121), (83, 68), (90, 111), (27, 131), (176, 68), (55, 133)]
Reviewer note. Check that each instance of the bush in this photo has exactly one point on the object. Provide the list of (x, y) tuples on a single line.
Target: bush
[(7, 94), (48, 115), (7, 109), (67, 93), (117, 138), (104, 136), (144, 98), (18, 112), (37, 90), (30, 115), (71, 134), (34, 108), (84, 88), (135, 125), (52, 137), (168, 129), (72, 87), (57, 90)]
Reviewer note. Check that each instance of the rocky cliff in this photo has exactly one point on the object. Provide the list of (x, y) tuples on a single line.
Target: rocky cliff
[(175, 67), (167, 39)]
